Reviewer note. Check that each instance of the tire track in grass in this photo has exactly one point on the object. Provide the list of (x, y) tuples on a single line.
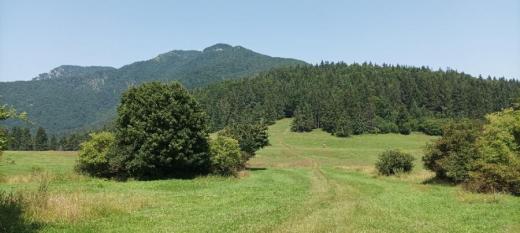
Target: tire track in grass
[(329, 207)]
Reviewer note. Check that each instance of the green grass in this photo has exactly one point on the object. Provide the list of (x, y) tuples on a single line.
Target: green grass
[(303, 182), (23, 162)]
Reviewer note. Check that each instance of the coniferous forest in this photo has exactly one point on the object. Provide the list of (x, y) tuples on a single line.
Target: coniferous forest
[(351, 99)]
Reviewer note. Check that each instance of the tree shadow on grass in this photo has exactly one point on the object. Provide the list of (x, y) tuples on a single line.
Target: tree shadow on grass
[(11, 215), (154, 178), (256, 168), (438, 181)]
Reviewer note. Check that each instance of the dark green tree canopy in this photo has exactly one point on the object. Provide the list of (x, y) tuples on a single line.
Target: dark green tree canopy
[(161, 131), (41, 141)]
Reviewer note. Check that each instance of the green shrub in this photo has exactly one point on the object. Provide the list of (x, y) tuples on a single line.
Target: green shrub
[(161, 131), (393, 161), (405, 129), (491, 177), (226, 158), (93, 154), (385, 126), (498, 167), (3, 140), (432, 126), (342, 132), (451, 157)]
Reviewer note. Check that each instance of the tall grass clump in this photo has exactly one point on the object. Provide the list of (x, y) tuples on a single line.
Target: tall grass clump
[(12, 213)]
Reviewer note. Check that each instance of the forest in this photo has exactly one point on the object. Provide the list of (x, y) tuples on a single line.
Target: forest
[(345, 99)]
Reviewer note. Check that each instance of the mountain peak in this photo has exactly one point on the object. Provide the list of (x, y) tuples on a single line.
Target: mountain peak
[(218, 47), (183, 54)]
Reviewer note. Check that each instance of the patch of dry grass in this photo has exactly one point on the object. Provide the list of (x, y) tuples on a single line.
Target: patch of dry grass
[(78, 206), (370, 170), (44, 206), (470, 197), (37, 176)]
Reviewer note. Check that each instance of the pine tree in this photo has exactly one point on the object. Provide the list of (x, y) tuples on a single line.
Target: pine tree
[(15, 138), (53, 143), (26, 141), (62, 143), (41, 141)]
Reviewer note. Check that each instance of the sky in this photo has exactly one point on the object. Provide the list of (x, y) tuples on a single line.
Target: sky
[(479, 37)]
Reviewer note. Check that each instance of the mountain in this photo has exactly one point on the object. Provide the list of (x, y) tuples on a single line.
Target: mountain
[(70, 98)]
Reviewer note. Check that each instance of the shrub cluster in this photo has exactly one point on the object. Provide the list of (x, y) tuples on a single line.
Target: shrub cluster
[(392, 162), (451, 156), (483, 158), (160, 132), (498, 165), (94, 154)]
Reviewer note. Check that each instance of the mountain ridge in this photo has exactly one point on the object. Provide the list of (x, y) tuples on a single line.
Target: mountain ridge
[(69, 98)]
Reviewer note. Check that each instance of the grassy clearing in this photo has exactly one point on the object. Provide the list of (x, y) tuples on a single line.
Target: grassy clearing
[(304, 182)]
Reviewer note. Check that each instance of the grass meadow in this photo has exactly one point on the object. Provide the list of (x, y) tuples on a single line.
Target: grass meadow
[(303, 182)]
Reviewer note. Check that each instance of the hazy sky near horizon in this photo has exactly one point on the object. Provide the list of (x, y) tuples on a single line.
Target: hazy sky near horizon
[(477, 37)]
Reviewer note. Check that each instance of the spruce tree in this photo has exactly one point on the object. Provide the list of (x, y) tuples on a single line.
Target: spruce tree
[(26, 141), (53, 143), (303, 119), (15, 142), (41, 141)]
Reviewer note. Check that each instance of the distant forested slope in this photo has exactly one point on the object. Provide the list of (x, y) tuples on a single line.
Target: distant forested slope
[(352, 99), (71, 98)]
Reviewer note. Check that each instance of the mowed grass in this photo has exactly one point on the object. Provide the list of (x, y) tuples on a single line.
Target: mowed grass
[(303, 182)]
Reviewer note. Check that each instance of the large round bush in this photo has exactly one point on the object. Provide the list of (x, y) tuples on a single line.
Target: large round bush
[(161, 131), (93, 154), (393, 161)]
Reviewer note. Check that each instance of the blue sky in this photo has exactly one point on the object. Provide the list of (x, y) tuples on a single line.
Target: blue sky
[(477, 37)]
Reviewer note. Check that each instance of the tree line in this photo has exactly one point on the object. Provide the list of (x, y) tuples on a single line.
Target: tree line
[(22, 139), (346, 99)]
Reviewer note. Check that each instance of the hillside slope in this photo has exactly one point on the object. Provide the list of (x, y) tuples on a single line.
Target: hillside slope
[(70, 98)]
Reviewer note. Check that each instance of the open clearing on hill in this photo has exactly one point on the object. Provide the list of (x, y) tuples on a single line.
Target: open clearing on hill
[(303, 182)]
